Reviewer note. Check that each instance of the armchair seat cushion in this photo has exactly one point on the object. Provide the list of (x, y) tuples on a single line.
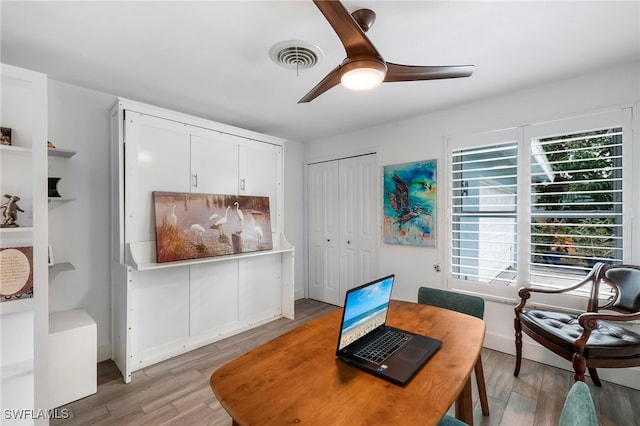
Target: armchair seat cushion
[(607, 341)]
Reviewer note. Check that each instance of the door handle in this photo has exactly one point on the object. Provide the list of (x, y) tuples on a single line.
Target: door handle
[(194, 180)]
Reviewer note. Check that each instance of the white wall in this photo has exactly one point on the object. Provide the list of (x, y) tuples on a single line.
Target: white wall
[(423, 138), (79, 230)]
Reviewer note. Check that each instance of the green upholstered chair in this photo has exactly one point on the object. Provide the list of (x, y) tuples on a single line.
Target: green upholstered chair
[(578, 409), (466, 304), (451, 421)]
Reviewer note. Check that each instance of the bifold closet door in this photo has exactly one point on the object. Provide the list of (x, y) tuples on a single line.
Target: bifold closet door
[(342, 232), (358, 219), (324, 232)]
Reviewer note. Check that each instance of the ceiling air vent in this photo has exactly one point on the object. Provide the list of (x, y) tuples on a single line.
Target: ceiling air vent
[(296, 54)]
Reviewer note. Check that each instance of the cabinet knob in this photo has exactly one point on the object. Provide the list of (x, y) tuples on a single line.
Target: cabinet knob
[(328, 240), (348, 242)]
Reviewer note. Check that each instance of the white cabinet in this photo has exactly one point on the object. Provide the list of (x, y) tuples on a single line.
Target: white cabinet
[(343, 232), (23, 172), (73, 359), (163, 309)]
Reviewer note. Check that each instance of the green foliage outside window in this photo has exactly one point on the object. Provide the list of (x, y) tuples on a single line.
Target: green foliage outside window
[(585, 168)]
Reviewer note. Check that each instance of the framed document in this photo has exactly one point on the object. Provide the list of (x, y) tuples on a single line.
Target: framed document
[(16, 273)]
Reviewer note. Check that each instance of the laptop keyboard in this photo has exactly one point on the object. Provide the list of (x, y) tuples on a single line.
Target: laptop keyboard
[(383, 347)]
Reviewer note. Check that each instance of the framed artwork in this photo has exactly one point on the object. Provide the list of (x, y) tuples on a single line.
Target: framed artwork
[(192, 226), (16, 273), (409, 206)]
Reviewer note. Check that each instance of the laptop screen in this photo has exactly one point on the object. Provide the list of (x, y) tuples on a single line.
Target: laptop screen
[(365, 309)]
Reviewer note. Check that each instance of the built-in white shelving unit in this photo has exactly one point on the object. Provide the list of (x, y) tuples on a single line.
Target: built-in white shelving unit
[(59, 154), (23, 172)]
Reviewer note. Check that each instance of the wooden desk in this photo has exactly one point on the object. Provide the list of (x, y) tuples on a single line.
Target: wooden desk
[(296, 377)]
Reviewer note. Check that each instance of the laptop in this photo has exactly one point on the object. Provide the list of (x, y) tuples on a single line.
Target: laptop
[(366, 342)]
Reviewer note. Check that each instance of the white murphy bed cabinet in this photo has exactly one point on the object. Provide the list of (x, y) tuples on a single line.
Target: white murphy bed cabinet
[(164, 309), (23, 172)]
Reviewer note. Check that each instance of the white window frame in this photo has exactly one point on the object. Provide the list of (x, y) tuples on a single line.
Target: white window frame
[(523, 134)]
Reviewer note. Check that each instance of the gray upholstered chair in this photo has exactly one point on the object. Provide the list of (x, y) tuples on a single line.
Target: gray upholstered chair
[(593, 339), (466, 304)]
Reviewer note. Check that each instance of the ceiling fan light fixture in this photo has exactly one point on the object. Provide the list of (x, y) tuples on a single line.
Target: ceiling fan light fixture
[(362, 74)]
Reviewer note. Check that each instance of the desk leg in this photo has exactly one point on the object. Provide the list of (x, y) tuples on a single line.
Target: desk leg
[(464, 407)]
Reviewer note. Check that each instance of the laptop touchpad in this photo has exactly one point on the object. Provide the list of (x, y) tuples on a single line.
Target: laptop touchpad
[(411, 354)]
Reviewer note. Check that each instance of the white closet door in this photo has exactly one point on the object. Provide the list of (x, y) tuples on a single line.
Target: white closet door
[(214, 162), (161, 148), (358, 222), (324, 232)]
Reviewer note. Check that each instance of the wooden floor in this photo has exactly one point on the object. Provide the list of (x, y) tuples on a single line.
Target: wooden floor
[(177, 392)]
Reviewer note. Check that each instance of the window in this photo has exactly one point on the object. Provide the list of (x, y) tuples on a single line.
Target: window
[(538, 204), (485, 213), (576, 204)]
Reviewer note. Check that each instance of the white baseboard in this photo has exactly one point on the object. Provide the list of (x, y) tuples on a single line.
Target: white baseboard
[(629, 377)]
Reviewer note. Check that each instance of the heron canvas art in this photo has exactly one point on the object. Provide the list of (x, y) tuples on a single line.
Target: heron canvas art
[(191, 225), (409, 208)]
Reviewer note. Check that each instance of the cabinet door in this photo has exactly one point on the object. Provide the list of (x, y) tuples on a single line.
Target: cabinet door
[(157, 159), (358, 243), (259, 288), (160, 313), (261, 175), (323, 232), (214, 163), (213, 297)]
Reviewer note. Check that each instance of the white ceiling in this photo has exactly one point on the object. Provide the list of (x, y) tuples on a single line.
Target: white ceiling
[(211, 58)]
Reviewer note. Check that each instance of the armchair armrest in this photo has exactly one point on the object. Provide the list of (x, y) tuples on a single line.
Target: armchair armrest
[(525, 292), (588, 320)]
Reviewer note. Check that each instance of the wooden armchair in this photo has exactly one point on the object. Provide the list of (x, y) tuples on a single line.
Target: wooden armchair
[(592, 339)]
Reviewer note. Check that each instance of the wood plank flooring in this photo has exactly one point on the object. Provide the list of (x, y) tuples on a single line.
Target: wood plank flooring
[(177, 392)]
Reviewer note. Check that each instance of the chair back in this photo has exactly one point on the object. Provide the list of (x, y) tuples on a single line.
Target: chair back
[(578, 409), (459, 302), (625, 279)]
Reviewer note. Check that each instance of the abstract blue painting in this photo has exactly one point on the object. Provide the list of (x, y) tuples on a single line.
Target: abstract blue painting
[(409, 207)]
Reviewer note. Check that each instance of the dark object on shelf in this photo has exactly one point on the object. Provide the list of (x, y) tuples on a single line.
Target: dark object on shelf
[(50, 145), (5, 138), (10, 211), (595, 338), (53, 187), (16, 280)]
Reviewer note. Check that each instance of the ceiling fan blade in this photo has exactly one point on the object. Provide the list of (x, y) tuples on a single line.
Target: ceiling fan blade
[(355, 42), (332, 79), (396, 72)]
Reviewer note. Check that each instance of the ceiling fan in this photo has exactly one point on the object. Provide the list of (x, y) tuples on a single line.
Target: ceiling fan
[(364, 67)]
